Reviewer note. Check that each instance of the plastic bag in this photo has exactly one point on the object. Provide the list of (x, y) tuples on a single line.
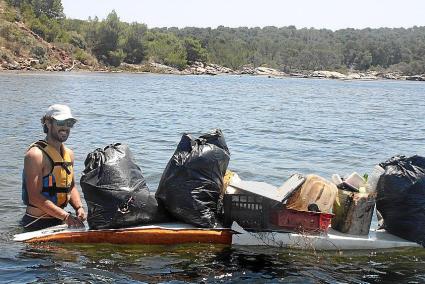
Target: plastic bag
[(191, 183), (115, 190), (401, 197)]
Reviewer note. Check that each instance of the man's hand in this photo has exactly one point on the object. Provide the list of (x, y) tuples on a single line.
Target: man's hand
[(73, 222), (81, 214)]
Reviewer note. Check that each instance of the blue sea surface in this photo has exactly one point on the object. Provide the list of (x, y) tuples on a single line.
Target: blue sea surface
[(273, 128)]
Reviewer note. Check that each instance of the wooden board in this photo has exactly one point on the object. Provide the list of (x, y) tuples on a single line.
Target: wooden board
[(163, 234)]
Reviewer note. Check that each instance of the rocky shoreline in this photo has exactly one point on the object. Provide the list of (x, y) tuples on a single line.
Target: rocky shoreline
[(199, 68), (56, 59), (59, 60)]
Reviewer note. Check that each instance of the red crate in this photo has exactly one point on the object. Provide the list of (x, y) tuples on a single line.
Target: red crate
[(301, 221)]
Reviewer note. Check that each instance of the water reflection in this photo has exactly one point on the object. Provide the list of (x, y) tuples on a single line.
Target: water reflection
[(218, 264)]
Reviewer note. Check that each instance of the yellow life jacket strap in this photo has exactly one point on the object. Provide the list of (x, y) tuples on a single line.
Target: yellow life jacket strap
[(52, 152), (55, 157)]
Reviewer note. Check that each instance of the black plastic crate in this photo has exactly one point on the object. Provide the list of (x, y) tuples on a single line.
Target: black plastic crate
[(250, 211)]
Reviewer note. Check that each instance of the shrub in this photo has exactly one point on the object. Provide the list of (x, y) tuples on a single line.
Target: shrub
[(5, 55), (9, 31), (10, 15), (38, 52), (77, 40), (194, 50), (84, 57), (38, 28), (115, 58), (416, 67), (167, 49)]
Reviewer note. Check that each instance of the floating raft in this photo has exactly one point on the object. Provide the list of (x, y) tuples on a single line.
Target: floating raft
[(333, 240), (161, 234), (179, 233)]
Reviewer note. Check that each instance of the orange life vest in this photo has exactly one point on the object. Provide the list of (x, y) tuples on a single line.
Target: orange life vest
[(59, 182)]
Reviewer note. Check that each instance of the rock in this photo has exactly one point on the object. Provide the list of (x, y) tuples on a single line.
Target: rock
[(370, 75), (124, 65), (33, 62), (353, 76), (62, 67), (211, 70), (328, 75), (317, 74), (161, 68), (246, 69), (391, 76), (199, 68), (49, 68), (12, 66), (221, 69), (416, 78), (360, 76), (298, 75), (197, 64), (268, 71), (262, 71), (186, 72)]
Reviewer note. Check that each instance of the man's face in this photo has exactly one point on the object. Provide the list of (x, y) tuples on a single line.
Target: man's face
[(59, 130)]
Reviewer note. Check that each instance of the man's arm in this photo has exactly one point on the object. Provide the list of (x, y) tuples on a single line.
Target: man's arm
[(33, 170), (75, 198)]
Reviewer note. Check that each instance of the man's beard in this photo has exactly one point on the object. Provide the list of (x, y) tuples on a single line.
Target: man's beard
[(55, 135)]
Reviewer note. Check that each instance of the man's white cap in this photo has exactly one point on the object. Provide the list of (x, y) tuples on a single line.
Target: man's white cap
[(59, 112)]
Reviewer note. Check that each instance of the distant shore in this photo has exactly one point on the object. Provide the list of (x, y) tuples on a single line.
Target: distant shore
[(199, 68)]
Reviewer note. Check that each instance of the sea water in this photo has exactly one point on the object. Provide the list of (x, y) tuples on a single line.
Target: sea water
[(273, 127)]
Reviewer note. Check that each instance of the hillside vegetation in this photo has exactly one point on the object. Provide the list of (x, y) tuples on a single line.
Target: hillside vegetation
[(35, 34)]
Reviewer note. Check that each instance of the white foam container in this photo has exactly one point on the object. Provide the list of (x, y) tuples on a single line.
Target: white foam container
[(355, 180)]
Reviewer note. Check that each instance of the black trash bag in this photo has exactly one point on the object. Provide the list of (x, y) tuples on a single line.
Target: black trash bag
[(401, 197), (193, 179), (116, 192)]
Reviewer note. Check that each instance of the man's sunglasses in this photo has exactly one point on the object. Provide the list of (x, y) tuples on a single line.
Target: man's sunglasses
[(67, 122)]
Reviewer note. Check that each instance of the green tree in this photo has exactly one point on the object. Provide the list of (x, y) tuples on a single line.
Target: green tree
[(232, 53), (194, 50), (115, 57), (363, 60), (53, 9), (167, 49), (106, 39), (77, 40), (288, 48), (134, 45)]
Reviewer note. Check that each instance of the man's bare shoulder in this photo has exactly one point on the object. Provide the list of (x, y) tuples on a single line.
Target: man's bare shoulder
[(34, 153), (34, 159)]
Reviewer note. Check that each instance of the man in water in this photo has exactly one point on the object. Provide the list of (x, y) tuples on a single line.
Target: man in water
[(48, 178)]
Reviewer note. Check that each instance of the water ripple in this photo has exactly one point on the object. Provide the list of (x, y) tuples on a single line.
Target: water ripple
[(273, 127)]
